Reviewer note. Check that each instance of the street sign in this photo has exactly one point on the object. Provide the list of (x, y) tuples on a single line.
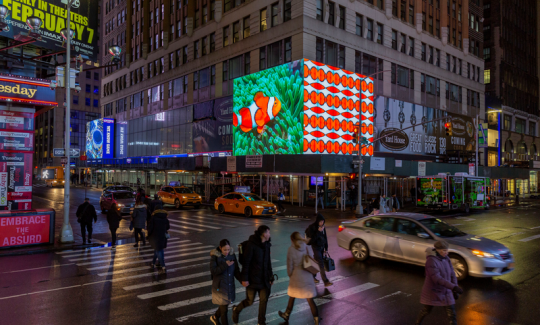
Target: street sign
[(63, 160), (60, 152)]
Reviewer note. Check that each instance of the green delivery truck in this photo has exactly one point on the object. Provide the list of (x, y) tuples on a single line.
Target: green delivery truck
[(452, 192)]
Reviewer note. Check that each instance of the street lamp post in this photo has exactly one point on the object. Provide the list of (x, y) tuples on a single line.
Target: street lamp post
[(67, 231)]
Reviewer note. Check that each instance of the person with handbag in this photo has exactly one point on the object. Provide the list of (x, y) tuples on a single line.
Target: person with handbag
[(224, 269), (301, 283), (157, 235), (440, 286), (319, 243), (257, 275), (139, 222), (85, 213), (113, 219)]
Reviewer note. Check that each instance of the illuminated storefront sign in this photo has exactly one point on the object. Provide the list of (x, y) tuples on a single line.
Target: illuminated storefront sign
[(26, 90)]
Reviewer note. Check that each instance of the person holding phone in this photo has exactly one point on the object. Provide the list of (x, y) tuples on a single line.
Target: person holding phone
[(224, 269)]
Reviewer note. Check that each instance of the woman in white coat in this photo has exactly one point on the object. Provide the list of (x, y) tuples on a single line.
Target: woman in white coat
[(301, 284)]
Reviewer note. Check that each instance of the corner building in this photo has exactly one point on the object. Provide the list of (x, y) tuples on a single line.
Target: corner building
[(180, 59)]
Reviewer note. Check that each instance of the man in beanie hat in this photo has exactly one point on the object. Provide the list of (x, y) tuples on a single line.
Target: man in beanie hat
[(440, 284)]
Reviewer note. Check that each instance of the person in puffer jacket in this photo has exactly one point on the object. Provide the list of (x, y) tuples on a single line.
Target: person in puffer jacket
[(440, 284), (224, 269), (139, 222)]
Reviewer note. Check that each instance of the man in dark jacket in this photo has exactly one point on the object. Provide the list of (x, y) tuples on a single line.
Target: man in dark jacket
[(85, 213), (257, 275), (157, 235), (155, 204), (319, 243)]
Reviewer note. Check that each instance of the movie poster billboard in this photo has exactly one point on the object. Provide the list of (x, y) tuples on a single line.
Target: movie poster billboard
[(214, 132), (392, 115), (53, 13), (11, 120), (16, 141), (17, 167)]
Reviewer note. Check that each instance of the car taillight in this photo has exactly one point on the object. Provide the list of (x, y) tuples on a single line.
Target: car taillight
[(340, 228), (418, 200), (444, 201)]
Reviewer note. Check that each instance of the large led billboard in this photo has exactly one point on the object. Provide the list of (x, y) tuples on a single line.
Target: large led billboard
[(268, 111), (100, 138), (302, 107)]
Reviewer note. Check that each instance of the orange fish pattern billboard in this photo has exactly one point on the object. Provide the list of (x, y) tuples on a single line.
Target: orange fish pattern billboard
[(333, 99)]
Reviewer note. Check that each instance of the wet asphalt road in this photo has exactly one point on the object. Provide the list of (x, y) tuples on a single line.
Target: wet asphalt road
[(95, 286)]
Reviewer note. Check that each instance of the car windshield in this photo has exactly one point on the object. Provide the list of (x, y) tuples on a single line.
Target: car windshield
[(182, 190), (441, 228), (123, 195), (252, 197)]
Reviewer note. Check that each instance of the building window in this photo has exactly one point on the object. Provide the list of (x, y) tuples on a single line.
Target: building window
[(185, 55), (394, 8), (225, 36), (359, 25), (203, 46), (411, 46), (76, 100), (236, 32), (424, 21), (411, 14), (247, 63), (431, 25), (287, 10), (393, 74), (403, 10), (263, 20), (87, 101), (212, 9), (370, 29), (507, 122), (205, 14), (262, 58), (96, 102), (487, 76), (212, 42), (487, 54), (88, 75), (438, 58), (331, 13), (454, 64), (319, 50), (431, 56), (319, 4), (88, 88), (274, 54), (275, 16), (423, 51), (448, 62), (532, 131), (342, 18), (213, 75), (402, 76), (96, 90), (459, 66), (288, 49), (394, 39), (380, 30), (403, 43), (196, 49), (520, 125)]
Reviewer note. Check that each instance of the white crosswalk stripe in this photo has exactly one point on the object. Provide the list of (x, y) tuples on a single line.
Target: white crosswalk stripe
[(108, 248), (529, 238), (193, 224), (178, 231), (204, 258), (186, 227), (124, 253), (204, 249)]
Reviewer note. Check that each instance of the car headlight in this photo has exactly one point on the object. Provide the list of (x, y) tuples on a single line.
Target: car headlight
[(119, 205), (482, 254), (259, 207), (200, 197)]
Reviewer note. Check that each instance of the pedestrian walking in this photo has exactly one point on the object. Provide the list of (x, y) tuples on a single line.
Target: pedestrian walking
[(224, 269), (383, 204), (320, 196), (301, 283), (141, 195), (316, 234), (256, 275), (281, 198), (156, 203), (113, 219), (139, 217), (440, 286), (338, 197), (395, 203), (353, 197), (85, 213), (158, 235)]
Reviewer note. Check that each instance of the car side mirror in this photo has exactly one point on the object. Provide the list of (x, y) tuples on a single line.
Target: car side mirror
[(423, 235)]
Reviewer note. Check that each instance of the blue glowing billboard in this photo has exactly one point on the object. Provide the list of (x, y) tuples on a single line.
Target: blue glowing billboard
[(100, 138)]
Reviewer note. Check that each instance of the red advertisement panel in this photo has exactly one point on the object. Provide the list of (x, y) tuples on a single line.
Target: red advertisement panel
[(24, 230), (16, 141), (18, 168), (10, 120)]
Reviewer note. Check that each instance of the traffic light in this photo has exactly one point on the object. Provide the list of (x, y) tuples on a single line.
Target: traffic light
[(448, 128), (356, 132)]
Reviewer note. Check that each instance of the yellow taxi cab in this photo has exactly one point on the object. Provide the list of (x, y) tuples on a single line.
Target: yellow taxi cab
[(248, 204), (179, 196)]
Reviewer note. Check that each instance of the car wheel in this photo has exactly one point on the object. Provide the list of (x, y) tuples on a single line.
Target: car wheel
[(177, 204), (221, 209), (103, 210), (460, 266), (248, 212), (359, 250)]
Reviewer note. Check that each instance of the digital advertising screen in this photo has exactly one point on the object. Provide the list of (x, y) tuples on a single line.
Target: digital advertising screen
[(108, 138), (120, 141), (94, 139), (267, 111), (320, 180)]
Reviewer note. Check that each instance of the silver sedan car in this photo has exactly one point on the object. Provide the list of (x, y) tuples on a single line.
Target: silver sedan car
[(405, 237)]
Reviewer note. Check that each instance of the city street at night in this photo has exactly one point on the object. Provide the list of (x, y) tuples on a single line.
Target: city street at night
[(100, 286)]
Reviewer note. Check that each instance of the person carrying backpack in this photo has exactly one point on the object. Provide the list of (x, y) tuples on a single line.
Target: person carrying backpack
[(224, 269), (319, 243), (257, 275)]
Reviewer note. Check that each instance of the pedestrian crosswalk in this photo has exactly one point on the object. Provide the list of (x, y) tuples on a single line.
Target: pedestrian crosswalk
[(184, 290), (184, 224)]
